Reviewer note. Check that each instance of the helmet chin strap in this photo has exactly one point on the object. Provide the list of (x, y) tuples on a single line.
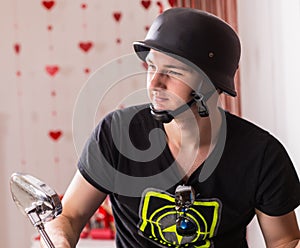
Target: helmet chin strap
[(167, 116)]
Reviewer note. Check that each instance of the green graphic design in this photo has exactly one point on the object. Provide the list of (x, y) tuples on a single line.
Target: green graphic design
[(158, 220)]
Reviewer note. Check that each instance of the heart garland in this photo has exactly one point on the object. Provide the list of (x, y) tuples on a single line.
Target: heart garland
[(160, 6), (17, 48), (52, 70), (19, 93), (85, 46), (55, 134), (172, 3), (117, 16), (146, 4), (48, 4)]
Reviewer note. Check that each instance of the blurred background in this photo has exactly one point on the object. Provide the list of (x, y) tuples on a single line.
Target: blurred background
[(49, 50)]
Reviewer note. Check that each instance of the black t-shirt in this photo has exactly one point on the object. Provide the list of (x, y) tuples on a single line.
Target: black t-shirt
[(128, 158)]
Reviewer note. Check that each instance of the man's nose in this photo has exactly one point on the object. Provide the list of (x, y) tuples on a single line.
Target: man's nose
[(157, 80)]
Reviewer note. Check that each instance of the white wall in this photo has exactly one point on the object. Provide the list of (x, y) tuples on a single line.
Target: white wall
[(270, 34)]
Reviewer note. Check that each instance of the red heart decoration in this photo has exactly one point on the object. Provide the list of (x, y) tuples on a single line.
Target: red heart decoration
[(48, 4), (146, 4), (117, 16), (118, 40), (17, 48), (52, 69), (85, 46), (55, 135), (18, 73), (172, 3), (161, 7)]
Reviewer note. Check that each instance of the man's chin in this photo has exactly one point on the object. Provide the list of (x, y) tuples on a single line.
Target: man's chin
[(164, 107), (159, 107)]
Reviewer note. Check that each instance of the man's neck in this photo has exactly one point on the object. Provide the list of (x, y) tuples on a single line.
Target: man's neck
[(188, 128)]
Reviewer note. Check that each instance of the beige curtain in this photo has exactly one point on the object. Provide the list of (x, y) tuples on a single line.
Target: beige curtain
[(227, 10)]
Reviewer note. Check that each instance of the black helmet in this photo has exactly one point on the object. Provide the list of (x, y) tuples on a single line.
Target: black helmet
[(199, 37)]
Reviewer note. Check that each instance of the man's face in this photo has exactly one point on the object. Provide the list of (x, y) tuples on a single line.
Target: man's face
[(169, 81)]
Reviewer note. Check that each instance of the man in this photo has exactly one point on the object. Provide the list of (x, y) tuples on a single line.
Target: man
[(182, 172)]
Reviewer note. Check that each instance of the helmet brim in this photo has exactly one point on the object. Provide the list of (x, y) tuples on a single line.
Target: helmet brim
[(142, 49)]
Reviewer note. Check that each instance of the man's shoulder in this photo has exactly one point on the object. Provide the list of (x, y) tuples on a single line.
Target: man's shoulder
[(246, 130), (141, 110), (137, 115), (241, 124), (133, 115)]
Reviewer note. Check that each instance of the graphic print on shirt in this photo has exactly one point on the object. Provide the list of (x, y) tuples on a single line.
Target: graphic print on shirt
[(158, 220)]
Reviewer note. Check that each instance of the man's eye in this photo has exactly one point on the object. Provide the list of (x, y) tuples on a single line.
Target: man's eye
[(151, 67), (174, 73)]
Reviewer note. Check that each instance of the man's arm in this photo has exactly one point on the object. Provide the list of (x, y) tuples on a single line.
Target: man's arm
[(279, 231), (80, 202)]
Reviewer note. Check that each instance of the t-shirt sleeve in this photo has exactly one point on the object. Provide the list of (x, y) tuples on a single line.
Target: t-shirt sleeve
[(95, 162), (278, 189)]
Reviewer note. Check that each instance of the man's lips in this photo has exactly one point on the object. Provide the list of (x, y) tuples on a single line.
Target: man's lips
[(160, 99), (159, 96)]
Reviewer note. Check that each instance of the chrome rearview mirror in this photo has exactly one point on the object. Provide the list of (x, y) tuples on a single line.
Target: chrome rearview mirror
[(39, 202)]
